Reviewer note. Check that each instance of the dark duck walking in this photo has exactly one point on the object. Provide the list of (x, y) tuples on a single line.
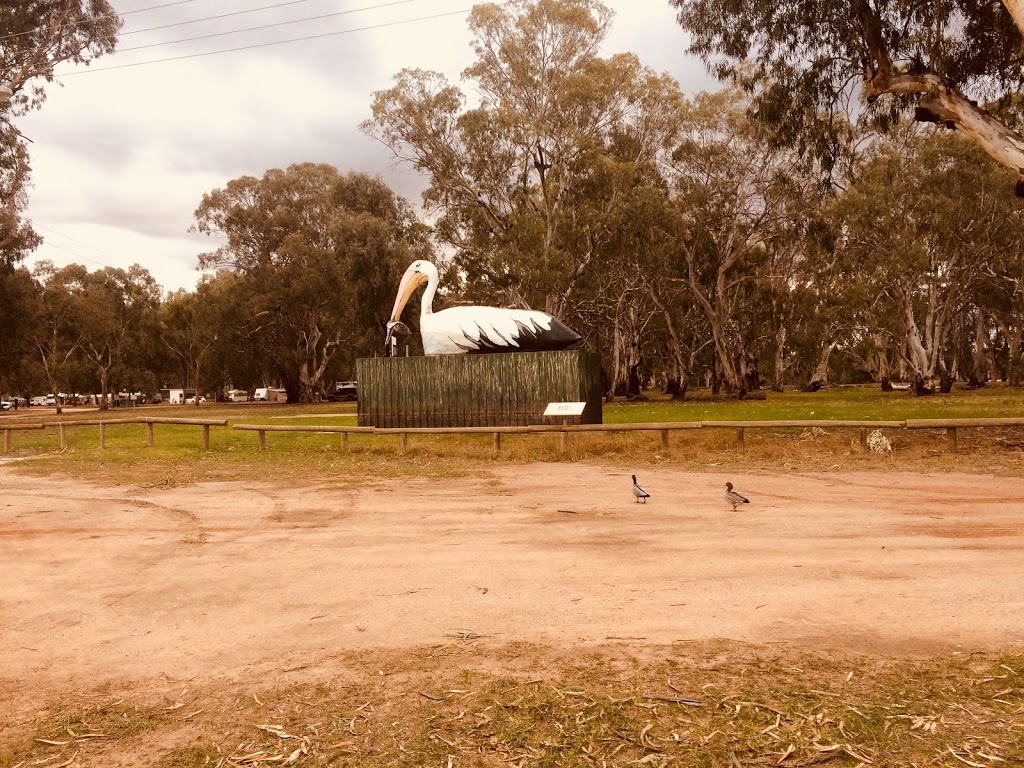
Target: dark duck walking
[(639, 492), (734, 498)]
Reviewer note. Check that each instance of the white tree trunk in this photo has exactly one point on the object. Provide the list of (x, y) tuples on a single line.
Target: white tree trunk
[(1016, 9), (941, 103)]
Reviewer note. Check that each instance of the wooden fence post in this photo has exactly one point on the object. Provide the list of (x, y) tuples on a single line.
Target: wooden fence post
[(497, 444), (7, 441), (149, 433), (63, 437), (344, 441), (103, 435), (263, 439), (951, 438), (206, 437), (405, 441), (739, 437), (664, 439), (863, 438)]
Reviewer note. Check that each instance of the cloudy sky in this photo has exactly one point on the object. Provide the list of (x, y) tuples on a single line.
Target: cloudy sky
[(123, 151)]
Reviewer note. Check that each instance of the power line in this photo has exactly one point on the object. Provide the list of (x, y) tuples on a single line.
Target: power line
[(219, 16), (154, 7), (98, 18), (265, 45), (67, 237), (264, 26), (73, 253)]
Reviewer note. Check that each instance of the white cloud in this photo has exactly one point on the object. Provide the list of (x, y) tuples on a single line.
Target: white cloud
[(121, 158)]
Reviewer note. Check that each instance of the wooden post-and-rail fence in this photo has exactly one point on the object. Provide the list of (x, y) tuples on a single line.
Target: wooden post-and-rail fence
[(664, 428), (149, 421), (262, 429), (951, 427)]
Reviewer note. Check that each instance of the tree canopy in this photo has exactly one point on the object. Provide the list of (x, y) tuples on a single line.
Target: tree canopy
[(523, 181), (811, 64), (37, 35), (318, 255)]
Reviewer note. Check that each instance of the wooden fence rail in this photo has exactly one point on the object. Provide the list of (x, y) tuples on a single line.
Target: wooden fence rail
[(951, 426), (64, 425), (862, 425), (16, 428), (262, 430), (149, 421)]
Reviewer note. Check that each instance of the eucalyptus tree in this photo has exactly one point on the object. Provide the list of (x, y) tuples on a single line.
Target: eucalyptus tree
[(36, 37), (17, 238), (1005, 305), (222, 345), (189, 327), (57, 329), (653, 323), (510, 175), (18, 300), (117, 310), (319, 255), (810, 63), (926, 221), (998, 231), (742, 206), (40, 34)]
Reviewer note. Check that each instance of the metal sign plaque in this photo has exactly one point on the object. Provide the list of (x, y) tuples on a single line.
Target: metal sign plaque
[(565, 409)]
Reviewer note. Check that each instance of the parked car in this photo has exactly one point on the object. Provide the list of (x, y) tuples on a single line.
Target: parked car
[(38, 400), (344, 390), (6, 405), (192, 400)]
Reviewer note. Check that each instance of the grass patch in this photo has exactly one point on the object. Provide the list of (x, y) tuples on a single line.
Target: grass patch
[(177, 457), (851, 402), (711, 704)]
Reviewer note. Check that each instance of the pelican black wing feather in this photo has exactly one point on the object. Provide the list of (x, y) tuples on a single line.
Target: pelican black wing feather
[(530, 337)]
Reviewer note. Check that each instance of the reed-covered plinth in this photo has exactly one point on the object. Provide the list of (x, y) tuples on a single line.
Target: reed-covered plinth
[(510, 389)]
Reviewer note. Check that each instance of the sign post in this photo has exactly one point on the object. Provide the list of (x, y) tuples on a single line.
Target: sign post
[(565, 410)]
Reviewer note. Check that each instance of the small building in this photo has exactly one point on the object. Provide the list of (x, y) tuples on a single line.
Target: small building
[(176, 396)]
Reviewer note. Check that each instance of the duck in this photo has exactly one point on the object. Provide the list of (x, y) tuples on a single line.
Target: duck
[(734, 498), (639, 492)]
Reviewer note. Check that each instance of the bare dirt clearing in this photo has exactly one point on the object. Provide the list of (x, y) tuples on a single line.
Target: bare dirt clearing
[(113, 589)]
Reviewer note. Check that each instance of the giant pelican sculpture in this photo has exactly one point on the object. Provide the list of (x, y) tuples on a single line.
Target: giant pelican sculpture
[(460, 330)]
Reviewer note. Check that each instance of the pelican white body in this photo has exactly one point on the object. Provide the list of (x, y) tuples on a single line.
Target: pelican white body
[(461, 330)]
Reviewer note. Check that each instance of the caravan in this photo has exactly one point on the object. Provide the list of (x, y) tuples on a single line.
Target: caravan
[(270, 395)]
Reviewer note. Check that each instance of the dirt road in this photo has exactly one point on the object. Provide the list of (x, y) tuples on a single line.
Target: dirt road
[(103, 585)]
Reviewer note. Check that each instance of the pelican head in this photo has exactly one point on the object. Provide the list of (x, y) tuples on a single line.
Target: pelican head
[(419, 273)]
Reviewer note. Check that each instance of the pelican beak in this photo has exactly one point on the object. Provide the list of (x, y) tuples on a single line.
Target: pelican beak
[(411, 280)]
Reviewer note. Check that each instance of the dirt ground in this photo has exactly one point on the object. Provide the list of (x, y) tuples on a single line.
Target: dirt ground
[(120, 586)]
